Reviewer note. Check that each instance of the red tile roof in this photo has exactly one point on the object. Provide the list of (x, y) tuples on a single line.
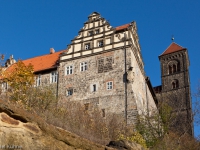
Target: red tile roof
[(122, 27), (41, 63), (173, 48)]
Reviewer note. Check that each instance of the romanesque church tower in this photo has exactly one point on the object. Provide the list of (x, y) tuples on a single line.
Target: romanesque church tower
[(175, 88)]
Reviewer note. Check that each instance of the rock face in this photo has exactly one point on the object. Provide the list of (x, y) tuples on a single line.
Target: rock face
[(125, 145), (22, 134)]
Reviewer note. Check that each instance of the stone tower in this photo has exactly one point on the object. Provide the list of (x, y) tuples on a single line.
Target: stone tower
[(175, 88)]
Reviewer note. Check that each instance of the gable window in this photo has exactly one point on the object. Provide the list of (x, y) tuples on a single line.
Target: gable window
[(69, 92), (100, 43), (69, 70), (109, 85), (54, 77), (38, 80), (83, 66), (97, 31), (87, 46), (90, 33)]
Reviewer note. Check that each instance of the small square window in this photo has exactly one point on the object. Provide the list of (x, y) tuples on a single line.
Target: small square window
[(100, 43), (87, 46), (90, 33), (69, 92), (69, 70), (83, 66), (109, 85), (97, 31)]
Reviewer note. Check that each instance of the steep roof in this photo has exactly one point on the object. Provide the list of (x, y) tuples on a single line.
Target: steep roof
[(43, 62), (172, 48), (122, 27)]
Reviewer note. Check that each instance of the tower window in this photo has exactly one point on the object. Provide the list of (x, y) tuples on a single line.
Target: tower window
[(174, 67), (175, 84)]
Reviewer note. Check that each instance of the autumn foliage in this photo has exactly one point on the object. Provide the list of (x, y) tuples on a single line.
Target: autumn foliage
[(19, 78)]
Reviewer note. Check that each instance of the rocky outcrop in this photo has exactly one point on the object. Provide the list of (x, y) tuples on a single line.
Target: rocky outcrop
[(125, 145), (18, 133)]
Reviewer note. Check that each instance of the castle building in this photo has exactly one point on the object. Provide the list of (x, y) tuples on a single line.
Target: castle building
[(175, 88), (103, 67)]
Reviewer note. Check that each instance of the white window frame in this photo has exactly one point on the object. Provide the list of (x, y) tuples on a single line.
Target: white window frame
[(87, 46), (68, 70), (100, 43), (69, 92), (54, 77), (109, 85), (83, 66), (38, 80)]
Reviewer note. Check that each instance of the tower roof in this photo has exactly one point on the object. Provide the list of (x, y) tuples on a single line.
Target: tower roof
[(172, 48)]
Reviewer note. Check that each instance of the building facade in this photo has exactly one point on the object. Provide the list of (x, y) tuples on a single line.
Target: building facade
[(103, 67)]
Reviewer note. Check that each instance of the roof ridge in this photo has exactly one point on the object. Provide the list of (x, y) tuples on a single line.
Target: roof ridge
[(43, 55)]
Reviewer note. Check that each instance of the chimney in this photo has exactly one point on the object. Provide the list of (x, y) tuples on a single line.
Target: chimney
[(52, 50)]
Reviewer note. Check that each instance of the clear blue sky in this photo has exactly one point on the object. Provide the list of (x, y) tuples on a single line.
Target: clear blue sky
[(31, 28)]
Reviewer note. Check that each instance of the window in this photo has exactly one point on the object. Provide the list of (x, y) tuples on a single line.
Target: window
[(69, 70), (38, 80), (175, 84), (87, 46), (109, 85), (83, 66), (53, 78), (97, 31), (100, 43), (173, 67), (69, 92), (94, 87), (103, 113), (90, 33)]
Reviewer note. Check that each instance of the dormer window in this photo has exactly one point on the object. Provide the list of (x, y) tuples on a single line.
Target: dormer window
[(100, 43), (90, 33), (87, 46)]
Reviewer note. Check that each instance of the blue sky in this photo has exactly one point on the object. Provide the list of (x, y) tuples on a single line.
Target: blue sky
[(31, 28)]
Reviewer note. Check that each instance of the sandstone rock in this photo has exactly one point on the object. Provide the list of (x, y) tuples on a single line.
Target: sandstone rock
[(125, 145)]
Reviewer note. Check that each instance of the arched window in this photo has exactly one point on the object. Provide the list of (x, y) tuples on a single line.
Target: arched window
[(178, 66), (173, 66), (175, 84), (170, 70)]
